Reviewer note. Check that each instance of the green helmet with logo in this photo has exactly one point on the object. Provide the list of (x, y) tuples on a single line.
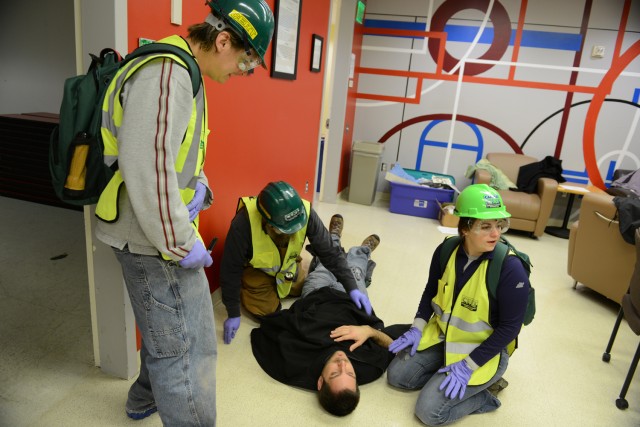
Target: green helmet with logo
[(482, 202), (281, 206), (252, 19)]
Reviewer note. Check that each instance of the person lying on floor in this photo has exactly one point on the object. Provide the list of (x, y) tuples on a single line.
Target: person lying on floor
[(323, 341)]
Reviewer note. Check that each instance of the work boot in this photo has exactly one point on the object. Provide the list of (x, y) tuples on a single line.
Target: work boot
[(497, 387), (371, 242), (336, 224)]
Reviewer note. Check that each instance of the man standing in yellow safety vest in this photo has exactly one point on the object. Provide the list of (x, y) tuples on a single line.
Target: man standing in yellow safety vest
[(157, 128)]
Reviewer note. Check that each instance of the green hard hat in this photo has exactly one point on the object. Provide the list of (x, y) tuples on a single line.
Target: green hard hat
[(252, 19), (482, 202), (281, 206)]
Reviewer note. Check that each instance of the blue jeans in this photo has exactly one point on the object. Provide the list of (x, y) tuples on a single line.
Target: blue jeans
[(433, 407), (320, 277), (173, 310)]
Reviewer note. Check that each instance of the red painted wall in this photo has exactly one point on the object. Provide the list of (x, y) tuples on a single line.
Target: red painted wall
[(262, 129)]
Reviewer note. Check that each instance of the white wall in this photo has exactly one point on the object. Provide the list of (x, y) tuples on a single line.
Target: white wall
[(515, 110), (38, 53)]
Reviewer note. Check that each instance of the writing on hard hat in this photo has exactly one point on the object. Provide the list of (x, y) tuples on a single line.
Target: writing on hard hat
[(482, 202), (281, 206)]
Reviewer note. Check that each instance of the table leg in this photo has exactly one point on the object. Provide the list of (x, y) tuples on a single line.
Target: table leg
[(562, 231)]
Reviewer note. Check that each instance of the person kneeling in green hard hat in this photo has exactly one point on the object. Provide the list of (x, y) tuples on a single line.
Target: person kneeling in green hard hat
[(457, 347), (261, 259)]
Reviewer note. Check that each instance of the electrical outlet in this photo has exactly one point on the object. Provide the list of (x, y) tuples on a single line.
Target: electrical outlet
[(384, 167)]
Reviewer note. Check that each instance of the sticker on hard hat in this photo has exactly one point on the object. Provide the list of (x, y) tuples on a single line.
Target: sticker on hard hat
[(291, 215), (244, 23), (491, 201)]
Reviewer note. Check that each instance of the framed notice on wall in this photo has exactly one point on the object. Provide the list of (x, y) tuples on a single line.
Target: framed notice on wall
[(284, 60), (316, 53)]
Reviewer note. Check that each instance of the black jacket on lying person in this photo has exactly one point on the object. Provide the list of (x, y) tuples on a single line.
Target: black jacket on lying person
[(293, 345)]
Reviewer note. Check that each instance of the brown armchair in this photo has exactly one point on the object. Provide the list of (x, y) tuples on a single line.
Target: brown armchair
[(529, 212), (598, 256)]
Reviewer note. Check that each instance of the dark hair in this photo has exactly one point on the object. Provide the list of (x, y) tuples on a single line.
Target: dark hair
[(341, 403), (464, 224), (205, 35)]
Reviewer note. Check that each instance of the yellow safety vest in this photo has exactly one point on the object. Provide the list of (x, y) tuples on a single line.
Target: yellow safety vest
[(266, 256), (463, 324), (190, 159)]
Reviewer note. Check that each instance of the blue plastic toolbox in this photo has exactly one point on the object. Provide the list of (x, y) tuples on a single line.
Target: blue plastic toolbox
[(431, 176), (418, 200)]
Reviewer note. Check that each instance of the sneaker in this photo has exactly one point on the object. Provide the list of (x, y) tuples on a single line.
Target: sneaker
[(371, 242), (141, 415), (336, 224), (497, 387)]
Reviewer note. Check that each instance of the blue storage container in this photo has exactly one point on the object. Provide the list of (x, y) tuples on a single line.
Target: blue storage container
[(432, 176), (417, 200)]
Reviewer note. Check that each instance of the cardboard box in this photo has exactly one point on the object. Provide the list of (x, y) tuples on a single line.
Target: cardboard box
[(418, 200), (446, 216)]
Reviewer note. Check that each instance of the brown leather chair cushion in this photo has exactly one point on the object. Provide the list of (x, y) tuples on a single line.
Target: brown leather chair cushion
[(521, 205)]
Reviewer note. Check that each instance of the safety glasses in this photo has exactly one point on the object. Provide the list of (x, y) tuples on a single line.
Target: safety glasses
[(248, 62), (486, 227)]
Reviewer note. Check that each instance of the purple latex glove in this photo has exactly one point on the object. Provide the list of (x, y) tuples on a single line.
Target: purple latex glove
[(195, 205), (410, 338), (360, 300), (198, 257), (231, 326), (457, 380)]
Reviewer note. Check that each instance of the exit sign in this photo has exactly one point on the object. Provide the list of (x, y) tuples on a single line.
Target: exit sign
[(360, 12)]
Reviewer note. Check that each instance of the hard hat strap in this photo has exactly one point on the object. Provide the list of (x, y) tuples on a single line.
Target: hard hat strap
[(215, 22)]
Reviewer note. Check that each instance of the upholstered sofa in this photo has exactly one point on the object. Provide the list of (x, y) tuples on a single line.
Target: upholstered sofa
[(598, 256), (529, 212)]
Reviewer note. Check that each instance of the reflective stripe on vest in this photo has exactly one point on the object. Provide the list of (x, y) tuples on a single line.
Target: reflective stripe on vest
[(266, 256), (463, 324), (190, 157)]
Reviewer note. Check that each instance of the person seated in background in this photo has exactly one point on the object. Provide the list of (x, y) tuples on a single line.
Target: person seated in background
[(456, 351), (323, 342), (261, 259)]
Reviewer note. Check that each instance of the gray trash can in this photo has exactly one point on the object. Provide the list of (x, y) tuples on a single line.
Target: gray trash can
[(366, 160)]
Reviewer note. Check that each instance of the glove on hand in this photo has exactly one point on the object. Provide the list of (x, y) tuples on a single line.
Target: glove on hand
[(231, 326), (198, 257), (410, 338), (195, 205), (457, 380), (360, 300)]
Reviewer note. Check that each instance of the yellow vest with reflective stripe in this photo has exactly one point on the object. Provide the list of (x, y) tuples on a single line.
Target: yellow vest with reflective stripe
[(190, 158), (266, 256), (463, 323)]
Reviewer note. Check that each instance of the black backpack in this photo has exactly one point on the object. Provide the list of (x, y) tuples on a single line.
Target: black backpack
[(76, 159), (495, 266)]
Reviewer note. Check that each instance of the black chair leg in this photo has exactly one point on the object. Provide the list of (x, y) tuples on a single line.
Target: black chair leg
[(606, 356), (621, 402)]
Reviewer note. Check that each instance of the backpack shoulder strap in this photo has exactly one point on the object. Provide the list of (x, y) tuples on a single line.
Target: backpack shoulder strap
[(160, 48), (447, 249), (495, 266)]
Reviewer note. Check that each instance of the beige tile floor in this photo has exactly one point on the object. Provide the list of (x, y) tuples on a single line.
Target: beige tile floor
[(47, 377)]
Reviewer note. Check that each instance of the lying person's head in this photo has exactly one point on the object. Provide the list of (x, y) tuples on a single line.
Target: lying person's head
[(338, 389)]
